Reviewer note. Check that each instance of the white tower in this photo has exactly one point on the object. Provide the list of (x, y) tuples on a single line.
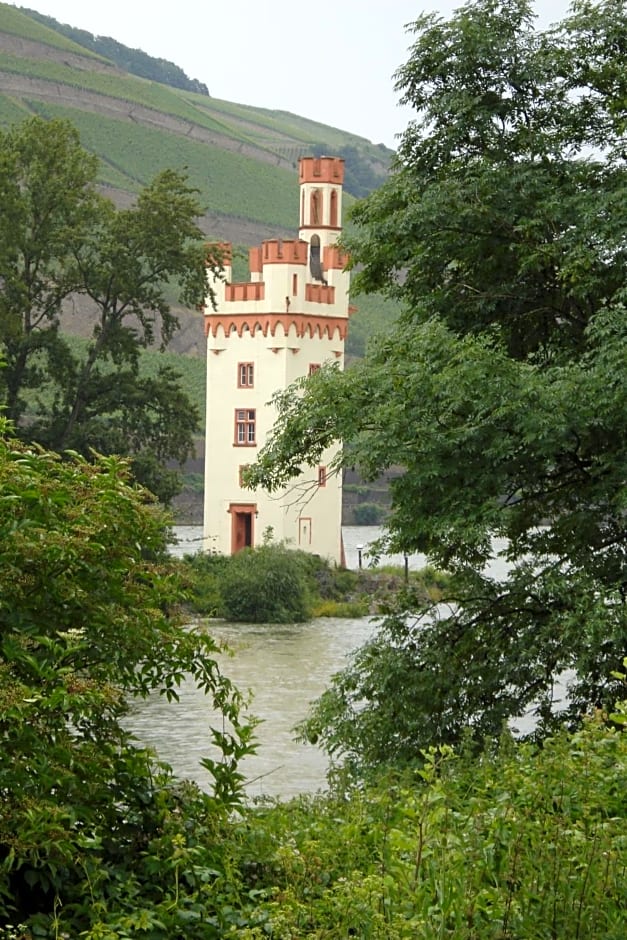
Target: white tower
[(285, 322)]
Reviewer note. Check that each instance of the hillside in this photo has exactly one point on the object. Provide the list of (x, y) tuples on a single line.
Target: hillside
[(241, 159)]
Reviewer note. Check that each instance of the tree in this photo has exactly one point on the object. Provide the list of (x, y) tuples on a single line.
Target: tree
[(88, 620), (501, 391), (59, 237)]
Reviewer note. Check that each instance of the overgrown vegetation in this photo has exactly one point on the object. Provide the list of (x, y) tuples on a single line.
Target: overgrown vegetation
[(269, 584), (59, 238), (498, 393), (276, 584), (91, 827), (524, 843), (505, 377)]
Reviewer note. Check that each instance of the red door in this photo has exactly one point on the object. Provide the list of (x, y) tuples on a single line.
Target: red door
[(242, 526)]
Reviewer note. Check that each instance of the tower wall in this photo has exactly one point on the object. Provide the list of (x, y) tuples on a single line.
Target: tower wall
[(263, 335)]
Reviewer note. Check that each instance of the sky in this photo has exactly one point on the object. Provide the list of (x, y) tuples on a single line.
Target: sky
[(331, 61)]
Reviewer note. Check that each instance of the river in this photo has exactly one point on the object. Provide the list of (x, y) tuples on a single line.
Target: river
[(284, 667)]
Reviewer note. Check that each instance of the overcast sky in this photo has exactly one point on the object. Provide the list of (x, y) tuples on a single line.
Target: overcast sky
[(331, 61)]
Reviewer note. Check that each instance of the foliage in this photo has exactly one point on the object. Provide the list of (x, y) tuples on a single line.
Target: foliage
[(526, 843), (499, 391), (92, 829), (274, 574), (98, 841), (203, 573), (367, 514), (58, 238), (265, 585)]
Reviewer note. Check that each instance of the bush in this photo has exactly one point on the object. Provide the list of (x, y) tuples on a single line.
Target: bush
[(203, 574), (525, 843), (266, 585), (367, 514), (90, 824)]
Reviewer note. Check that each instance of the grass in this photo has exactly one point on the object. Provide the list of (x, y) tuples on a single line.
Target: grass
[(19, 24), (229, 183)]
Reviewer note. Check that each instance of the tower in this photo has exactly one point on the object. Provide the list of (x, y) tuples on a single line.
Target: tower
[(288, 319)]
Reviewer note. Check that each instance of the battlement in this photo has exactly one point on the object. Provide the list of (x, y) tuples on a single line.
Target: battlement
[(278, 251), (333, 258), (321, 170), (246, 290), (320, 293)]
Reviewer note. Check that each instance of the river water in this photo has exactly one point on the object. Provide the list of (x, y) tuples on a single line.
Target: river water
[(284, 667)]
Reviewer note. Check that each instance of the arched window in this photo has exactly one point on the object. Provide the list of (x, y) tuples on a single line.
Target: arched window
[(316, 207), (333, 219), (315, 261)]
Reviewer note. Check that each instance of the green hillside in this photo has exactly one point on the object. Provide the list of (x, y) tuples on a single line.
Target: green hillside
[(241, 159)]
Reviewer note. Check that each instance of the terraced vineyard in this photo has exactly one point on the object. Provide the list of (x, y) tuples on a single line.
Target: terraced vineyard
[(241, 159)]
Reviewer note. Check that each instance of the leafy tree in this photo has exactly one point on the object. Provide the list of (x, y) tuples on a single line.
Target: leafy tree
[(59, 237), (88, 820), (501, 391)]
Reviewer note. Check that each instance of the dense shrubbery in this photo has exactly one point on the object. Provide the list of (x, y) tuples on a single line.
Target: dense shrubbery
[(266, 585), (91, 828), (529, 843), (99, 841), (269, 584), (274, 584)]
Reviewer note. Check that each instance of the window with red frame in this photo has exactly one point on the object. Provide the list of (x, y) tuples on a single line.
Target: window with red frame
[(245, 427), (313, 367), (322, 476), (245, 375)]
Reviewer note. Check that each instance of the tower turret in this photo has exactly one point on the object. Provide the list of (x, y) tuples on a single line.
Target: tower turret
[(281, 325)]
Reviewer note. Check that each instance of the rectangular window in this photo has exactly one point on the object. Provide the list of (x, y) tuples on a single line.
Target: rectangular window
[(242, 467), (294, 284), (313, 367), (245, 427), (245, 375), (322, 476)]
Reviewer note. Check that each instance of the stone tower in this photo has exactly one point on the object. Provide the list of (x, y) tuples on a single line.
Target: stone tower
[(283, 323)]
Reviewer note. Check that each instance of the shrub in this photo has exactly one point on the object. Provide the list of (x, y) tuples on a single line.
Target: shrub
[(367, 514), (203, 574), (266, 585)]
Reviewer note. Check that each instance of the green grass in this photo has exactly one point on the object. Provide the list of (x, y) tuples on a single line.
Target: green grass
[(133, 89), (19, 24), (229, 183)]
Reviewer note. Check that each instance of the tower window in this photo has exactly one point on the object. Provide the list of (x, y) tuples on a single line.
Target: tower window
[(313, 367), (245, 427), (294, 284), (322, 476), (333, 219), (245, 375), (316, 207)]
